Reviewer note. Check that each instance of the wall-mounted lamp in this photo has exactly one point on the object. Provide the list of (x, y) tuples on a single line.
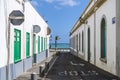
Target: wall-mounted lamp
[(82, 20)]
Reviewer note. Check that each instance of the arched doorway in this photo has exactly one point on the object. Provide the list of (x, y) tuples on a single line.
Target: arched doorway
[(103, 38), (89, 45)]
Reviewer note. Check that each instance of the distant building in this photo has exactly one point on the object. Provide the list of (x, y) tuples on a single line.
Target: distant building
[(96, 35), (24, 38)]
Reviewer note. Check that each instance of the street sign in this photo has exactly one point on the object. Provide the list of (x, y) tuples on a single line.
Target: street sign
[(16, 17)]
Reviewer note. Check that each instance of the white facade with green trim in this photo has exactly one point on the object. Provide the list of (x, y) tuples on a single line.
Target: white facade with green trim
[(22, 44)]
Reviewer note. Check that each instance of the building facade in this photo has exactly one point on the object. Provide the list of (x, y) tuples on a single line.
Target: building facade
[(24, 38), (95, 36)]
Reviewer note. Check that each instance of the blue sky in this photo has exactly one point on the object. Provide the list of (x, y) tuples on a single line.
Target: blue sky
[(61, 15)]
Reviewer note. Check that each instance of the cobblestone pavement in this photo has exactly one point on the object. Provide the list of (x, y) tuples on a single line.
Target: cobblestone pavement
[(69, 67)]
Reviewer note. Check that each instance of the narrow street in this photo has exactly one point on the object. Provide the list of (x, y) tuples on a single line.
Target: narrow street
[(69, 67)]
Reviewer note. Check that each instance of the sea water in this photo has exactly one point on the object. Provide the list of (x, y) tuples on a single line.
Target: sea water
[(60, 45)]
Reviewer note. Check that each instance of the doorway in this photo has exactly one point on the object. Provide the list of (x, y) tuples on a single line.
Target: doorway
[(89, 54)]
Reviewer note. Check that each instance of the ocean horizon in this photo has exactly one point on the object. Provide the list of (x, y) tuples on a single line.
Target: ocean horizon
[(60, 45)]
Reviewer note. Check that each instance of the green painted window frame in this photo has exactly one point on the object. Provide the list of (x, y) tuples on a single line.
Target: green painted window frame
[(34, 43), (39, 44), (27, 44), (103, 40), (17, 45)]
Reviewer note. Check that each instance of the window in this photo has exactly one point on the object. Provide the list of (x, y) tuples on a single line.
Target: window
[(38, 44), (103, 39), (79, 41), (45, 43), (41, 43), (89, 45), (27, 44), (82, 41), (74, 41), (34, 43), (17, 45)]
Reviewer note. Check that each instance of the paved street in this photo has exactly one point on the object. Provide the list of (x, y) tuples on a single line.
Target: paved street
[(69, 67)]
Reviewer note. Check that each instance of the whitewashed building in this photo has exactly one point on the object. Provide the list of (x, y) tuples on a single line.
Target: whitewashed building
[(24, 38), (96, 35)]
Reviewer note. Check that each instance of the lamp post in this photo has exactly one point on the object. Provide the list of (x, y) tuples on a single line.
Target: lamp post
[(50, 41), (56, 39)]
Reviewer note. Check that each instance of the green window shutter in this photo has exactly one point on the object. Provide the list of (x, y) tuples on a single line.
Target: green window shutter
[(39, 44), (34, 43), (27, 44), (17, 45), (103, 38)]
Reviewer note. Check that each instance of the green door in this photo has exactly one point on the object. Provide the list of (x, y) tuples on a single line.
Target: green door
[(41, 43), (38, 44), (34, 43), (17, 45), (27, 44)]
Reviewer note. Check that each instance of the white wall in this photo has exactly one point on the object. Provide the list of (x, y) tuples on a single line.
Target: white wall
[(5, 10), (14, 5), (31, 18), (109, 10), (3, 47), (90, 24)]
